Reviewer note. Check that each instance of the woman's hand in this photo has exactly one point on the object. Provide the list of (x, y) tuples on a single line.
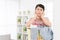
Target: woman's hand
[(42, 15)]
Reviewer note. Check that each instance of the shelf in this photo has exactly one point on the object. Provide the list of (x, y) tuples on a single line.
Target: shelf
[(20, 26), (25, 32)]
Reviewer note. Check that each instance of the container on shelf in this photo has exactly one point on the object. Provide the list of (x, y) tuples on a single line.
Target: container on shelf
[(19, 19), (19, 36)]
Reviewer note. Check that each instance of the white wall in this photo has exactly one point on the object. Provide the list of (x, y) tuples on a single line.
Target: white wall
[(8, 15)]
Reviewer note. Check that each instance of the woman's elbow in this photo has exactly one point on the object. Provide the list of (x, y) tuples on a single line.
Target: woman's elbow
[(49, 25)]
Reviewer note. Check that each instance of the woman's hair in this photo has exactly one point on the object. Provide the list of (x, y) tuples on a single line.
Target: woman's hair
[(40, 5)]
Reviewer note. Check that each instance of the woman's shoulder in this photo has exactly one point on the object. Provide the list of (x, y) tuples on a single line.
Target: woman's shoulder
[(46, 18), (31, 19), (29, 22)]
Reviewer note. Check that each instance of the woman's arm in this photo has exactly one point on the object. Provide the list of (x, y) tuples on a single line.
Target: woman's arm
[(45, 20), (29, 23)]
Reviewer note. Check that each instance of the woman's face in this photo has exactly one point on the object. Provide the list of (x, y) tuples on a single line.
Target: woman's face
[(39, 11)]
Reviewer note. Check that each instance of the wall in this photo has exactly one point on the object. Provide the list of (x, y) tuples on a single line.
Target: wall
[(8, 15)]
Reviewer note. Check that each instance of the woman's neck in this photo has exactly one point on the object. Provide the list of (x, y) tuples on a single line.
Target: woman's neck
[(38, 18)]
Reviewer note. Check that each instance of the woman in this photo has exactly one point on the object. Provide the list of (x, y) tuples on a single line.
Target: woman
[(43, 23)]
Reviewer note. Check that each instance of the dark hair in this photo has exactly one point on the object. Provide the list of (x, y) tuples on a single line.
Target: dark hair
[(40, 5)]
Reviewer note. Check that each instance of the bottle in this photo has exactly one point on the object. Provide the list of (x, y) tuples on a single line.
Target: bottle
[(39, 36)]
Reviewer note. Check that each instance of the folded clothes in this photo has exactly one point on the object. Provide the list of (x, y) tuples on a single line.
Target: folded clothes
[(45, 32)]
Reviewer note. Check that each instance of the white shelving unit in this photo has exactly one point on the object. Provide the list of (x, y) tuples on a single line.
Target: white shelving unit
[(21, 28)]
